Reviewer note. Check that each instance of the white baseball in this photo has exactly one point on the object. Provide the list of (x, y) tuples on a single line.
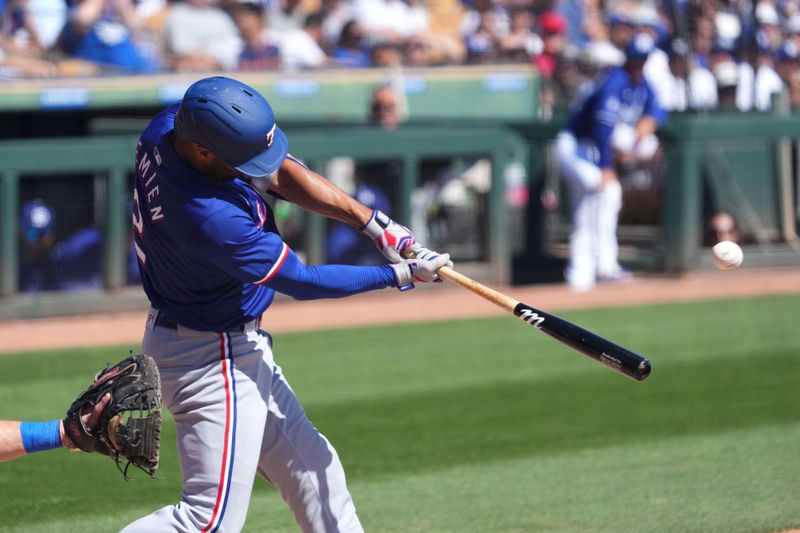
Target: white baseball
[(727, 255)]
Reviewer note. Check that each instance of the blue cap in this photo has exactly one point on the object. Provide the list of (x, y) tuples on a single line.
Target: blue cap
[(35, 219), (235, 123), (639, 47)]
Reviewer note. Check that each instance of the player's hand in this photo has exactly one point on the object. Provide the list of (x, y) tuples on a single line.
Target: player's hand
[(90, 418), (422, 268), (390, 238)]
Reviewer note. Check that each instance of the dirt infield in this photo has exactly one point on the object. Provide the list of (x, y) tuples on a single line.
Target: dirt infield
[(427, 303)]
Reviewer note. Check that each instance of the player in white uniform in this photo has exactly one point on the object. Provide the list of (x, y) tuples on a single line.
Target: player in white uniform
[(211, 259), (621, 113)]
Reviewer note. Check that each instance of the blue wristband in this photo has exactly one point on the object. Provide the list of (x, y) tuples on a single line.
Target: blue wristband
[(40, 436)]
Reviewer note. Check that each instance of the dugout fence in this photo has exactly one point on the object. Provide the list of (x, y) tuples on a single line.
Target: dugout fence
[(742, 163)]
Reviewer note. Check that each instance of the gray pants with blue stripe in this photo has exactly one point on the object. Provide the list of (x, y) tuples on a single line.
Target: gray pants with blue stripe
[(237, 416)]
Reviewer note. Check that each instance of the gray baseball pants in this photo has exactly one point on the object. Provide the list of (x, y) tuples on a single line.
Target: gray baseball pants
[(236, 417)]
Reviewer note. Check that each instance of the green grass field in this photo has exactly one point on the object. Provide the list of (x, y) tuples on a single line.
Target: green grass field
[(486, 425)]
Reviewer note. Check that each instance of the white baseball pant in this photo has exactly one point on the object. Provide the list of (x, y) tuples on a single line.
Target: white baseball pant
[(237, 416), (593, 246)]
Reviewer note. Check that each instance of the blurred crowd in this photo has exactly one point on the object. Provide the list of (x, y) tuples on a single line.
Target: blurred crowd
[(730, 54)]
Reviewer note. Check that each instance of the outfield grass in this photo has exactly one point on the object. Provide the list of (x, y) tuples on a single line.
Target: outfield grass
[(486, 425)]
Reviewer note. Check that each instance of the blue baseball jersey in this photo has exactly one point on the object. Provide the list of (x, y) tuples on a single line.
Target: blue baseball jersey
[(206, 249), (616, 99)]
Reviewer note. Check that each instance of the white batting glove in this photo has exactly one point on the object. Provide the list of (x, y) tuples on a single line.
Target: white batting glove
[(420, 252), (421, 268), (390, 237)]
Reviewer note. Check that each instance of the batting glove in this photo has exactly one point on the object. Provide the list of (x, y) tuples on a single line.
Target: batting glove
[(422, 268), (390, 237)]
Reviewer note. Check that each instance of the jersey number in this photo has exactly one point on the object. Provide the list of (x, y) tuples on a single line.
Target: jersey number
[(138, 226)]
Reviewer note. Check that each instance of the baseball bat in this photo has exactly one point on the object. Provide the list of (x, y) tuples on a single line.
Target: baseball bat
[(601, 350)]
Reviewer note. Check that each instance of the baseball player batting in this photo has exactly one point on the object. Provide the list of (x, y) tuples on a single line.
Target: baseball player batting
[(621, 114), (211, 259)]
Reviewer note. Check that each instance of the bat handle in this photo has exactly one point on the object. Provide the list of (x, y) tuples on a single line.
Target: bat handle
[(499, 299)]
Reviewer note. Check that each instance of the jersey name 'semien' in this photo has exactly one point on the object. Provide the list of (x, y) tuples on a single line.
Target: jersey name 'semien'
[(224, 230)]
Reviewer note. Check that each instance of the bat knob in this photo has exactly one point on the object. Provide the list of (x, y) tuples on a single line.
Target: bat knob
[(643, 370)]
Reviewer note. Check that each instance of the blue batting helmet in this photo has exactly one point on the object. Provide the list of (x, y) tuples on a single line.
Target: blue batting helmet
[(639, 47), (235, 122)]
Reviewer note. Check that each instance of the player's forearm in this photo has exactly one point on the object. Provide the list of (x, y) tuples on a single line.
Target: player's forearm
[(304, 282), (10, 440), (314, 193), (20, 438)]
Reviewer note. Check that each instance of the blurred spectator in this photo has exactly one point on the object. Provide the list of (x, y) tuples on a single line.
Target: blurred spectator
[(347, 245), (656, 69), (787, 60), (573, 12), (793, 83), (104, 32), (553, 27), (51, 264), (350, 50), (38, 24), (473, 18), (36, 239), (201, 37), (550, 62), (769, 25), (727, 76), (760, 37), (15, 65), (692, 87), (394, 21), (286, 15), (737, 77), (431, 50), (383, 110), (767, 81), (483, 45), (372, 184), (259, 51), (620, 30), (419, 52), (703, 42), (335, 14), (301, 49), (722, 227), (600, 55), (577, 79), (728, 27), (521, 43), (385, 54)]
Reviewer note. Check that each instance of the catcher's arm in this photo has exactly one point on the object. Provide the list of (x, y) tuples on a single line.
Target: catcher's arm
[(129, 428), (21, 438)]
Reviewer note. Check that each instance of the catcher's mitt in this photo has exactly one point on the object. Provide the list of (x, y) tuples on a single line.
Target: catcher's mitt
[(130, 425)]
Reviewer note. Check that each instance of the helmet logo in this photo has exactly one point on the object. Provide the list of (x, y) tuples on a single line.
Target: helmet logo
[(271, 136)]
